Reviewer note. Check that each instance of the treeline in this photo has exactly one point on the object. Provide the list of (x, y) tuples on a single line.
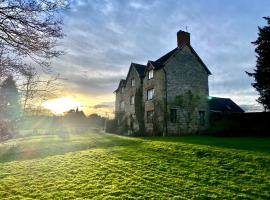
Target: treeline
[(74, 121)]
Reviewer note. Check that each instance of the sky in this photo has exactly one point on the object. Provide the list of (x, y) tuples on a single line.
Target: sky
[(103, 37)]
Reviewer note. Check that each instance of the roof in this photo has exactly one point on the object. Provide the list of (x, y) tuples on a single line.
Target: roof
[(217, 104), (139, 68), (122, 82), (159, 63)]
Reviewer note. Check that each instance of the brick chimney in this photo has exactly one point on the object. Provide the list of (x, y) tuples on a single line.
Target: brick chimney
[(183, 38)]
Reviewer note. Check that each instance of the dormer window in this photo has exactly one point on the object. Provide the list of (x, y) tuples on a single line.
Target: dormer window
[(133, 82), (151, 74)]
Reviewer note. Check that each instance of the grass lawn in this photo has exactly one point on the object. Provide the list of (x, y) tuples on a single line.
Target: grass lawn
[(104, 166)]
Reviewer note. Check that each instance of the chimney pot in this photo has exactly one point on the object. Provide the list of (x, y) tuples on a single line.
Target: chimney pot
[(183, 38)]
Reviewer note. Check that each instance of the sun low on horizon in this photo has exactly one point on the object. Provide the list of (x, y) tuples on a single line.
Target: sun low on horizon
[(60, 105)]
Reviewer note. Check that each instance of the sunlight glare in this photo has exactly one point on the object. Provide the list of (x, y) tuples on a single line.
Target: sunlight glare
[(61, 105)]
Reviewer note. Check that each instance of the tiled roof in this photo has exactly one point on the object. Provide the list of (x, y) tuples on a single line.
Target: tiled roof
[(140, 68), (122, 82), (218, 104), (159, 63)]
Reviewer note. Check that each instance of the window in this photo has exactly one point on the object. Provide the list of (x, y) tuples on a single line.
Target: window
[(150, 94), (122, 90), (132, 100), (202, 118), (173, 115), (151, 74), (131, 122), (149, 116), (122, 105), (133, 82)]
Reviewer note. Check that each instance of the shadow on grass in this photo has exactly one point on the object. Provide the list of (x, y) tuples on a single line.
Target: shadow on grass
[(43, 146), (48, 145), (258, 144)]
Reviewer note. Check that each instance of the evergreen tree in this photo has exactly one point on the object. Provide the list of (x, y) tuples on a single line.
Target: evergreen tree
[(10, 99), (262, 72)]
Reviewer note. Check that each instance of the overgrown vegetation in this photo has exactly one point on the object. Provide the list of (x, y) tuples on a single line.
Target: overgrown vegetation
[(187, 103), (139, 111), (102, 166)]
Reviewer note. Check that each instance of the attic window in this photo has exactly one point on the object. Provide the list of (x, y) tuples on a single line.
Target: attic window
[(151, 74), (133, 82)]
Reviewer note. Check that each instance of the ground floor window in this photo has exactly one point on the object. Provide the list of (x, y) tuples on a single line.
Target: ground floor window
[(173, 115), (149, 116), (131, 121), (202, 118)]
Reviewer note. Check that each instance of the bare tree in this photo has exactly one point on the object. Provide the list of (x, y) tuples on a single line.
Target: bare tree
[(30, 29), (36, 89), (10, 66)]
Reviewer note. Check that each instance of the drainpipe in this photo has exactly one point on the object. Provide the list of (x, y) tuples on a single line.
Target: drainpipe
[(166, 104)]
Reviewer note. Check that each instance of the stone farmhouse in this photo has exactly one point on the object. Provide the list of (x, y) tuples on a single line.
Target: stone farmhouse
[(168, 96)]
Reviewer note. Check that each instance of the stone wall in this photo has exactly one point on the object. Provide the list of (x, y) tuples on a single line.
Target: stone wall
[(129, 109), (157, 103), (131, 91), (182, 74), (185, 73)]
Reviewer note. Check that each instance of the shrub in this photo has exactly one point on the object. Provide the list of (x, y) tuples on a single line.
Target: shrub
[(111, 126)]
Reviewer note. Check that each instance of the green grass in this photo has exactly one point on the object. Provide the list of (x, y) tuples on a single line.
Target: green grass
[(103, 166)]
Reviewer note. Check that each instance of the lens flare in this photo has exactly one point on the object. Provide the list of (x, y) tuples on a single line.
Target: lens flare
[(61, 105)]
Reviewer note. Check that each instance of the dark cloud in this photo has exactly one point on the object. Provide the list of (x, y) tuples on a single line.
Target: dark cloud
[(83, 83), (104, 105)]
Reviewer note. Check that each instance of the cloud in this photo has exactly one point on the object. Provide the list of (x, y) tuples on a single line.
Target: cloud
[(104, 105), (251, 107), (92, 84), (103, 37)]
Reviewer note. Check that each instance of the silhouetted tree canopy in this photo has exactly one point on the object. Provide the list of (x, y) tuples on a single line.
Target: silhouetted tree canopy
[(9, 108), (29, 29), (261, 73), (10, 99)]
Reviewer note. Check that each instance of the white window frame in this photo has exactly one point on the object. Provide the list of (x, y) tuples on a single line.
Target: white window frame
[(133, 82), (132, 100), (122, 105), (150, 74), (150, 93)]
